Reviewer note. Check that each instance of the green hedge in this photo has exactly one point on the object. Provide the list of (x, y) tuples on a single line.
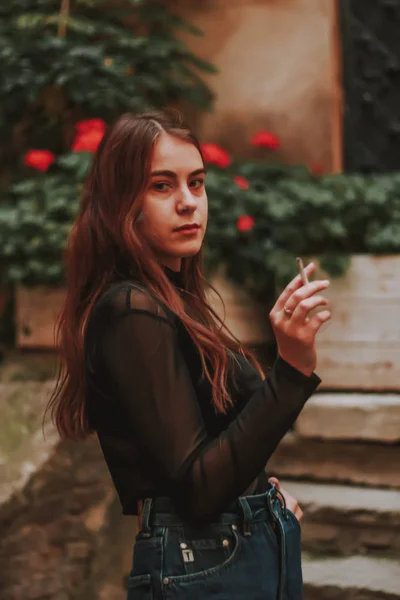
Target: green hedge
[(288, 212), (116, 57), (298, 213), (112, 57)]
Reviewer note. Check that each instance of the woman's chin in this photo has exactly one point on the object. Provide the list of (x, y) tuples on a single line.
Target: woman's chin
[(187, 250), (191, 253)]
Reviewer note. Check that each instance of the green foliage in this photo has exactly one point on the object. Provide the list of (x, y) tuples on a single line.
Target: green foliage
[(295, 213), (298, 214), (34, 225), (115, 57), (102, 59), (127, 56)]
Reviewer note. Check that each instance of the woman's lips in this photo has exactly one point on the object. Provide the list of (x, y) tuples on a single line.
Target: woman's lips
[(188, 229)]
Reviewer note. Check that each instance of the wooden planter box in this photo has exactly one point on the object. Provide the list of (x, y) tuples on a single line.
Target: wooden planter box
[(36, 312), (37, 309), (360, 349), (246, 319)]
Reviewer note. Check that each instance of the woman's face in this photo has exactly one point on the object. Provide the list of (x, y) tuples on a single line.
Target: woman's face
[(175, 198)]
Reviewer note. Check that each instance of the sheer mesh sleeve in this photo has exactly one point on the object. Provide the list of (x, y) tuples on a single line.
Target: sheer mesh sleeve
[(144, 359)]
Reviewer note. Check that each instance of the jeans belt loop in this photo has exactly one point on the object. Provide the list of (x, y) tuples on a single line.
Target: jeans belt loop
[(283, 505), (271, 495), (247, 515), (147, 504)]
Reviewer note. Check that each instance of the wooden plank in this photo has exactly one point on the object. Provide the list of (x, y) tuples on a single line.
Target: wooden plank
[(359, 366), (360, 349), (37, 310), (368, 276), (247, 319), (371, 320)]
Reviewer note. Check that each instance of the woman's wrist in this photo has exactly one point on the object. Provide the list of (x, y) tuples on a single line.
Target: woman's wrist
[(294, 373)]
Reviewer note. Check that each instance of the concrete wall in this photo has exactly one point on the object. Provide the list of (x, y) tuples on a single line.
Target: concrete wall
[(277, 72)]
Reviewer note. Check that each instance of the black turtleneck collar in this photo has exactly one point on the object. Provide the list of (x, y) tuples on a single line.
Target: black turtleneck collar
[(174, 276)]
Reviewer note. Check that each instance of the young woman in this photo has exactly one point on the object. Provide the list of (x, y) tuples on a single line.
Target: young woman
[(185, 418)]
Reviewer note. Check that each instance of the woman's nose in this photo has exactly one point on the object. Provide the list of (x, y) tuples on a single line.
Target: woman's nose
[(187, 200)]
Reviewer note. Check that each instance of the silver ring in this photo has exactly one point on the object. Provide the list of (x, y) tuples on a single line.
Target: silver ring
[(287, 312)]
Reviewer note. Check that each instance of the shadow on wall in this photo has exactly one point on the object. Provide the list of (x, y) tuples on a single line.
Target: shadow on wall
[(276, 64)]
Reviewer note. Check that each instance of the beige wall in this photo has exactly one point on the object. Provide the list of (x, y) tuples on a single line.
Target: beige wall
[(276, 72)]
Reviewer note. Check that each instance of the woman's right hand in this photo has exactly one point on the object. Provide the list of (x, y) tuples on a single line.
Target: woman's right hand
[(294, 329)]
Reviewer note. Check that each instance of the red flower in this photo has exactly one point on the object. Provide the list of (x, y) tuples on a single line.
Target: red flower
[(39, 159), (316, 169), (212, 153), (87, 142), (241, 182), (89, 125), (90, 133), (266, 139), (245, 223)]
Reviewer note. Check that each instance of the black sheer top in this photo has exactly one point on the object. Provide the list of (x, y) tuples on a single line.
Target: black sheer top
[(152, 409)]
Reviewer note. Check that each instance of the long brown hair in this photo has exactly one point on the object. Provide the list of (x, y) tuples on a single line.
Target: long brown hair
[(104, 246)]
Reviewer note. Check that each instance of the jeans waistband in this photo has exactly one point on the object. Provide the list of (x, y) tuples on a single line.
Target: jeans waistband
[(245, 510)]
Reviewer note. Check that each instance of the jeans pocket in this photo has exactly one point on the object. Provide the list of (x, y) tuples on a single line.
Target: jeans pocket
[(271, 531), (191, 557), (294, 520), (140, 588), (147, 553)]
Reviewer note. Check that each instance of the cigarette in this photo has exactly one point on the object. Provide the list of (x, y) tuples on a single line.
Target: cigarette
[(302, 272)]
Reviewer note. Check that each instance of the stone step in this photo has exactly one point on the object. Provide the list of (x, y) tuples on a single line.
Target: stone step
[(359, 463), (350, 416), (348, 520), (351, 578)]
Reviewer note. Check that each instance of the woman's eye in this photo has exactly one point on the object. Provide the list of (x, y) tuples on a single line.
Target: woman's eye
[(161, 186), (196, 183)]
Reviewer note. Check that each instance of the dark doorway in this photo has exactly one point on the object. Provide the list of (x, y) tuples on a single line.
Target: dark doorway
[(371, 74)]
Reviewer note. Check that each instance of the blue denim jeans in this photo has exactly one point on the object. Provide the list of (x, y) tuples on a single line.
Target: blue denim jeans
[(251, 552)]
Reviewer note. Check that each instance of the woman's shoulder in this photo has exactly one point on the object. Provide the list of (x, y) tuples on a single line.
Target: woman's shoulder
[(124, 297)]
